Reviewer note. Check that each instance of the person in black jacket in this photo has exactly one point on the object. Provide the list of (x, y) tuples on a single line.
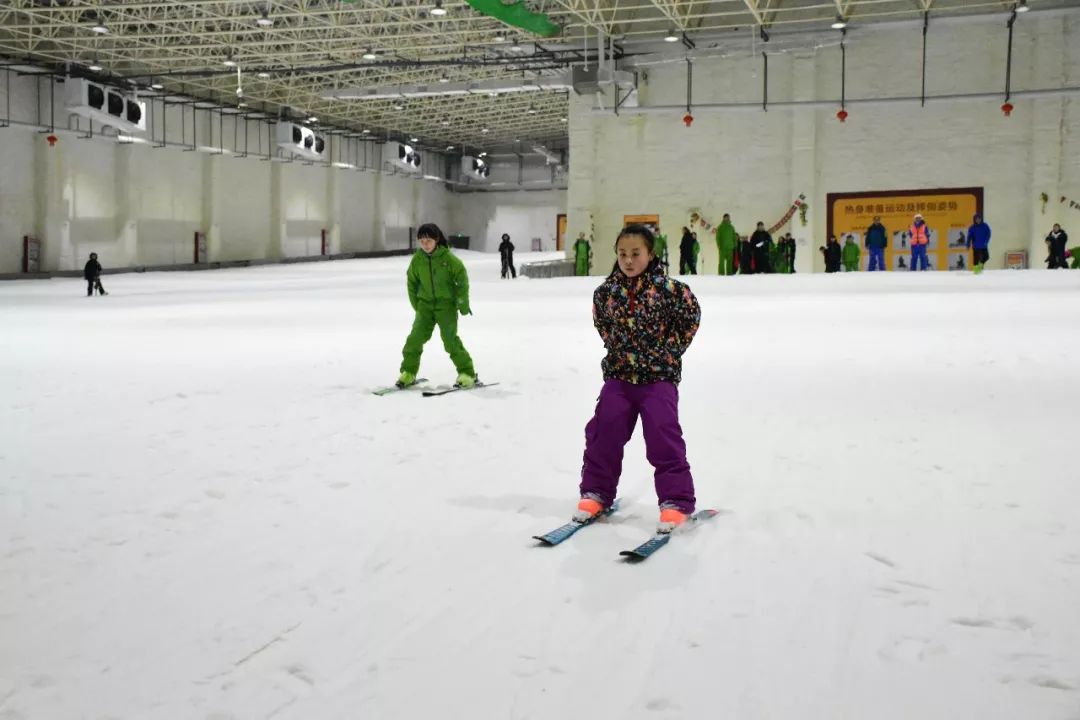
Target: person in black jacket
[(92, 274), (506, 251), (687, 261), (1055, 242), (833, 253), (746, 257), (762, 243), (787, 252)]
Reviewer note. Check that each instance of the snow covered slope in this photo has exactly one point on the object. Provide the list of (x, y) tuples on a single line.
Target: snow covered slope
[(205, 514)]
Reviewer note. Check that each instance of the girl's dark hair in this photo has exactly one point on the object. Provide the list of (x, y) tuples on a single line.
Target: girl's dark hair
[(645, 234), (505, 236), (641, 230), (431, 230)]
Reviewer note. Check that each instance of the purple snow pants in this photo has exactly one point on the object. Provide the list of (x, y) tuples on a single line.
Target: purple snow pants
[(610, 429)]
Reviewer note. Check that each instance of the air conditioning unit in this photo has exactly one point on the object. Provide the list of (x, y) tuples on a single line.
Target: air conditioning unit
[(593, 80), (104, 104), (475, 168), (407, 157), (301, 141)]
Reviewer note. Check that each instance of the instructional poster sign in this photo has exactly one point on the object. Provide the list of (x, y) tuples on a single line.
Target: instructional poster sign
[(947, 213)]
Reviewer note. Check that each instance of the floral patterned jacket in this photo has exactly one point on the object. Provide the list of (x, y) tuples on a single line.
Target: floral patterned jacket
[(646, 323)]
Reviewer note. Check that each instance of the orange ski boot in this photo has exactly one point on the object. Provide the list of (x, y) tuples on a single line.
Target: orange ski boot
[(670, 518), (587, 509)]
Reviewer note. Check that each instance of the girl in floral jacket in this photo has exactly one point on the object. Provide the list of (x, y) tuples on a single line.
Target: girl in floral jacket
[(647, 321)]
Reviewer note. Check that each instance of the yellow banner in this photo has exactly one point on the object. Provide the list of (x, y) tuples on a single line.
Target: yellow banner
[(947, 213)]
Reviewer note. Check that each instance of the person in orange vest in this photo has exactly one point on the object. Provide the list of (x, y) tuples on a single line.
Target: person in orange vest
[(920, 238)]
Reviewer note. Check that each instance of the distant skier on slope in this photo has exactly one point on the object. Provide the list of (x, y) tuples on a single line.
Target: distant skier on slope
[(92, 275), (438, 290), (506, 254), (647, 321)]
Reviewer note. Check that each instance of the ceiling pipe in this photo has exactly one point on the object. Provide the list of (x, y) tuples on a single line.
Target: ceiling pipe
[(827, 104)]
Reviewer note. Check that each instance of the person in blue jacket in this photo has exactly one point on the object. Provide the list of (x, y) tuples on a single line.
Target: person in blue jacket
[(978, 240), (876, 242)]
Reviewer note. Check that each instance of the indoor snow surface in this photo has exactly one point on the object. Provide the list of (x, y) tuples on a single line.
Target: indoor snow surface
[(205, 513)]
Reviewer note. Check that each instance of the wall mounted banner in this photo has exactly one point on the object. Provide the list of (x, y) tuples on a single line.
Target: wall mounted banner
[(798, 204), (947, 213)]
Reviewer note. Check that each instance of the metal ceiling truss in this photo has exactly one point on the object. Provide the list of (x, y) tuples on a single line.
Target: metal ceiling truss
[(308, 48)]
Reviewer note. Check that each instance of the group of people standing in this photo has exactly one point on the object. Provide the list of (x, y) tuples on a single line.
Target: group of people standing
[(877, 240), (755, 254)]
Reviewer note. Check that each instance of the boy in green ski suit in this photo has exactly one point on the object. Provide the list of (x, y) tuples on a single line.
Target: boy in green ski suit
[(582, 255), (851, 255), (727, 241), (438, 290)]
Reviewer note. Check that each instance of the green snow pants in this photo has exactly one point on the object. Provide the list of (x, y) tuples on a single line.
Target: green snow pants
[(727, 263), (423, 327), (581, 266), (1075, 257)]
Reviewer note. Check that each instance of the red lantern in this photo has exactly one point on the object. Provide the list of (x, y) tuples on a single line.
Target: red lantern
[(842, 115), (1007, 108), (51, 139), (688, 119)]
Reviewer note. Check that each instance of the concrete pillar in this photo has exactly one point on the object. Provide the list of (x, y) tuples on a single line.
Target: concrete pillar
[(55, 197), (1047, 125), (378, 228), (211, 209), (804, 169), (127, 205), (581, 176), (333, 199), (278, 227)]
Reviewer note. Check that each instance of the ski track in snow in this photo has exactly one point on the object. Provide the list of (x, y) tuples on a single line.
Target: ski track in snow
[(204, 513)]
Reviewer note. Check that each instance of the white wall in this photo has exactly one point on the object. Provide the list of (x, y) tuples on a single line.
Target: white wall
[(485, 216), (138, 204), (753, 163), (18, 204)]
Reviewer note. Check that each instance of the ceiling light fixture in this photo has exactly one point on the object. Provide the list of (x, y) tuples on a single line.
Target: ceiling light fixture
[(414, 140), (532, 110), (94, 66), (241, 104), (100, 29), (839, 23), (369, 54), (484, 130), (365, 131), (562, 119), (449, 147), (155, 85), (398, 106), (265, 20), (444, 79), (483, 154), (1021, 6), (438, 10), (671, 36), (499, 37), (263, 74), (313, 119), (515, 46), (446, 122), (228, 61)]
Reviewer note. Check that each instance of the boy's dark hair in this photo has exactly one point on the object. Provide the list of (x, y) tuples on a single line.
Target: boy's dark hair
[(645, 234), (506, 236), (431, 230)]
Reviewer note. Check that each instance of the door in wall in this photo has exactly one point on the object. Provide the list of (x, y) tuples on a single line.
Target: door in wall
[(560, 231)]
